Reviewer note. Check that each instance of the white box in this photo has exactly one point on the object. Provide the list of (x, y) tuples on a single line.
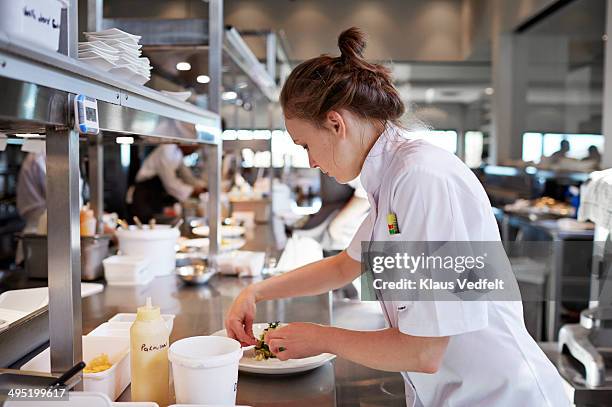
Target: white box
[(80, 399), (33, 21), (120, 329), (127, 270), (111, 382)]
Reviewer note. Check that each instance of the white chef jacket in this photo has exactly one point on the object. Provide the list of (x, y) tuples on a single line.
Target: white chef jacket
[(490, 360), (32, 190), (166, 162)]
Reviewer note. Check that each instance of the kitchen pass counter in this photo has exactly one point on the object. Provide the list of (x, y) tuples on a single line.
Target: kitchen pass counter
[(200, 310)]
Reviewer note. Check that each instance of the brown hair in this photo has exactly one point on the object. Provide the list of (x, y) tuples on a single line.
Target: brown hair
[(326, 83)]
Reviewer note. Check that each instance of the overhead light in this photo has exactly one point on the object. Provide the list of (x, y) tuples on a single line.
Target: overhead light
[(242, 85), (430, 94), (203, 79), (489, 91), (125, 140), (231, 95), (183, 66)]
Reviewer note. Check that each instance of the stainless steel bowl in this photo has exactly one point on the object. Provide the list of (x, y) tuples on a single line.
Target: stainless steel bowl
[(195, 274), (190, 259)]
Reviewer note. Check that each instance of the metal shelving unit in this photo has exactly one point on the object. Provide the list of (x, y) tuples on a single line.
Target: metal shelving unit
[(37, 87)]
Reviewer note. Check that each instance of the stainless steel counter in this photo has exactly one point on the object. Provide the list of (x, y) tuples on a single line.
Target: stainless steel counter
[(200, 311)]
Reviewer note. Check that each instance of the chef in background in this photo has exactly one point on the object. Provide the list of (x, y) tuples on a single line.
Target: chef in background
[(559, 155), (593, 155), (32, 194), (164, 180)]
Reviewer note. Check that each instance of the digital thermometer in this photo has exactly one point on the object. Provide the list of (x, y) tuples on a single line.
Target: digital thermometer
[(86, 115)]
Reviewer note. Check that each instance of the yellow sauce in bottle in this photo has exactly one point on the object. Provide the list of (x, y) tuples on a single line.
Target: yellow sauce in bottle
[(149, 342)]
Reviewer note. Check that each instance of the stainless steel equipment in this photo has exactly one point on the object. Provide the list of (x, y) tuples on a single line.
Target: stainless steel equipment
[(195, 274), (586, 348), (93, 250)]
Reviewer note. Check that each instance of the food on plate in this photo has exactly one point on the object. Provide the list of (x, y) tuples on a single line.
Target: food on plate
[(262, 352), (98, 364)]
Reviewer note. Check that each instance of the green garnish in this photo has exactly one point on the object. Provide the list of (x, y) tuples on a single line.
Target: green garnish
[(262, 351)]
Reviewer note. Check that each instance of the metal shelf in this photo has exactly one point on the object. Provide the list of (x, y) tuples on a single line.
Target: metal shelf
[(36, 88), (37, 84), (189, 37)]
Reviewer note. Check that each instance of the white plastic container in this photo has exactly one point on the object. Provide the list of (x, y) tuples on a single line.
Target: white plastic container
[(131, 317), (111, 382), (33, 21), (156, 244), (127, 270), (205, 370), (115, 329), (79, 399)]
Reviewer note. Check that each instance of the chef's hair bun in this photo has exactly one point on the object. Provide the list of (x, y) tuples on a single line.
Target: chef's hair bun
[(352, 43), (325, 83)]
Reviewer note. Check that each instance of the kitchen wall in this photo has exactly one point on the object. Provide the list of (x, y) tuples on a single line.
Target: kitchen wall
[(425, 30)]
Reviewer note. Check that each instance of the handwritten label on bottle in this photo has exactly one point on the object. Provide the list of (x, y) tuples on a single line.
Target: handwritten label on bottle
[(153, 348)]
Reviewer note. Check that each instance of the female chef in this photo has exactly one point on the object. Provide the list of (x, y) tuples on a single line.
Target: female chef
[(345, 112)]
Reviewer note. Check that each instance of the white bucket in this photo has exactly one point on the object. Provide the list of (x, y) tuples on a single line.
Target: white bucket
[(156, 245), (205, 370)]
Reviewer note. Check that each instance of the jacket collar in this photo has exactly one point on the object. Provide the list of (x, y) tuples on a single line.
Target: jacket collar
[(378, 159)]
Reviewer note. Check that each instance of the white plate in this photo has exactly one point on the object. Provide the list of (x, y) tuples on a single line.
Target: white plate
[(100, 63), (248, 363), (226, 231), (112, 31), (182, 96), (97, 45), (203, 243), (94, 53)]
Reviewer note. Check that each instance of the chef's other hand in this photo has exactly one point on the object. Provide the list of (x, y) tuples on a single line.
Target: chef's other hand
[(296, 341), (239, 319)]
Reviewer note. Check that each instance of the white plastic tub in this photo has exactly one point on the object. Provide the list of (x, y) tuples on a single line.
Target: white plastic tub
[(156, 244), (130, 318), (111, 382), (33, 21), (127, 270), (205, 370)]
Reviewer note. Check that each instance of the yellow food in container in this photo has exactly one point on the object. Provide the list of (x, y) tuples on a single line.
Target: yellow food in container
[(98, 364)]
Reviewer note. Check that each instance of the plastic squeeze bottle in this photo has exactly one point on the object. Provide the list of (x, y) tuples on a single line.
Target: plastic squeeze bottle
[(149, 342), (88, 221)]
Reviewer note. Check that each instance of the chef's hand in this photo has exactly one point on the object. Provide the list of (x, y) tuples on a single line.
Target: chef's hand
[(296, 341), (239, 319)]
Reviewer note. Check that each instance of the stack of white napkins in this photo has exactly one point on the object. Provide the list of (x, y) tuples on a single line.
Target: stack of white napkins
[(241, 263), (118, 53)]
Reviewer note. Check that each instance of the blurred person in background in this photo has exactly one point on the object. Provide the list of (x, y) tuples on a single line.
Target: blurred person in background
[(557, 156), (164, 180)]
